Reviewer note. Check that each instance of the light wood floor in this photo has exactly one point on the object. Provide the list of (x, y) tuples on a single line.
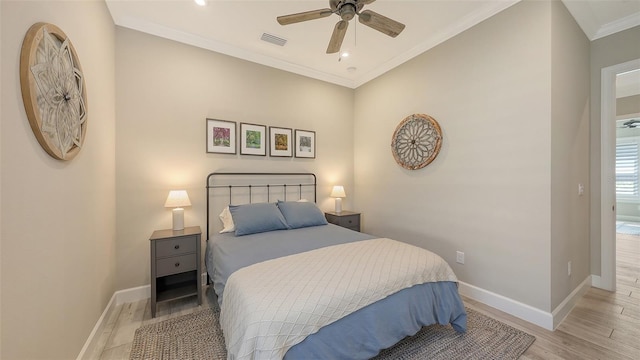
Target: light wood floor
[(603, 325)]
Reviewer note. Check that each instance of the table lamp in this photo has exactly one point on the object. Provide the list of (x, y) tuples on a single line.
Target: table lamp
[(177, 199), (338, 193)]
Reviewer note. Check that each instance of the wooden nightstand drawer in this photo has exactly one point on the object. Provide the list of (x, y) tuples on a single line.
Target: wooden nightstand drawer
[(175, 265), (349, 221), (173, 247), (346, 219)]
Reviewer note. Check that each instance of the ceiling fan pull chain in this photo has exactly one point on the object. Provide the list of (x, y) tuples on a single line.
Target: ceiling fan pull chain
[(355, 35)]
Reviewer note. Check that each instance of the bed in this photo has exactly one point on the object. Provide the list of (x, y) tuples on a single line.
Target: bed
[(292, 286)]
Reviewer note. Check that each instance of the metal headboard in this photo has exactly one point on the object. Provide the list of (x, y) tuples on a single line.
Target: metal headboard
[(292, 180)]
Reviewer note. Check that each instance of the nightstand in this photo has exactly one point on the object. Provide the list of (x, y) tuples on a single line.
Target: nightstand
[(175, 265), (347, 219)]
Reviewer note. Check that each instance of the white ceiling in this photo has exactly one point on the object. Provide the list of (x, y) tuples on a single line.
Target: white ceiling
[(235, 27)]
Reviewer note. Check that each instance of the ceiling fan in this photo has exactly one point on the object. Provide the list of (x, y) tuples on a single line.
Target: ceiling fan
[(347, 10), (631, 124)]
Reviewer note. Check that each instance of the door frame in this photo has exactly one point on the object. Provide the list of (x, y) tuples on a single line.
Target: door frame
[(607, 279)]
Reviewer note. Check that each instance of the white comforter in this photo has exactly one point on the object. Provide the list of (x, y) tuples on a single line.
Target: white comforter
[(273, 305)]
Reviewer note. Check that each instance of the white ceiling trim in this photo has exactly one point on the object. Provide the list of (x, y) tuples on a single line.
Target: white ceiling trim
[(588, 23), (613, 27), (456, 28), (226, 49), (585, 15), (596, 19)]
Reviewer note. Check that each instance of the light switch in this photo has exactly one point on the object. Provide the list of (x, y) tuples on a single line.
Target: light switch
[(580, 189)]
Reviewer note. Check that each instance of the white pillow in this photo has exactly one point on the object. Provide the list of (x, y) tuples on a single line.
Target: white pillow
[(227, 221), (303, 200)]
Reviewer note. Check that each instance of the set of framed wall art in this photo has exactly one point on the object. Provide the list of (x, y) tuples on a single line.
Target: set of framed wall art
[(222, 136)]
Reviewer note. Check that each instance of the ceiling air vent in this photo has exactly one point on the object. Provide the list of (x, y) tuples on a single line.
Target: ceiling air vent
[(273, 39)]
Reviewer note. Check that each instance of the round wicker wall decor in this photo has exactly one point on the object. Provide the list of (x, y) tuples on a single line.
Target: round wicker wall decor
[(416, 141), (53, 90)]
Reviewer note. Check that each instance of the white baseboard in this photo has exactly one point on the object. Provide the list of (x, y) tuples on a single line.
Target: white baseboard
[(90, 344), (562, 310), (596, 281), (526, 312), (510, 306), (119, 297), (133, 294)]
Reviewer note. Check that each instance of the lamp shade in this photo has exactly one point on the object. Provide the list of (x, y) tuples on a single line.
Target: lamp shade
[(338, 192), (177, 198)]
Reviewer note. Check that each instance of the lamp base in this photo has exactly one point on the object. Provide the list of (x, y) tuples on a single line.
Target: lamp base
[(178, 219), (338, 205)]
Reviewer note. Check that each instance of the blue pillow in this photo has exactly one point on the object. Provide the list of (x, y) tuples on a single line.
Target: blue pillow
[(257, 218), (301, 214)]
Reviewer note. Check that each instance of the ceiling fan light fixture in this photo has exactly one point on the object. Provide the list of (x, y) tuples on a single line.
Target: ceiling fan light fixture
[(348, 11)]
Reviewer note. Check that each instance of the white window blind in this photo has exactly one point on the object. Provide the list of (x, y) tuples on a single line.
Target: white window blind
[(627, 174)]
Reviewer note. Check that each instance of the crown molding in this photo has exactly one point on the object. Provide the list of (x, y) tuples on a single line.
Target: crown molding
[(613, 27)]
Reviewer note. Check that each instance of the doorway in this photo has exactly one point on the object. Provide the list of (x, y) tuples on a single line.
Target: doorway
[(607, 279)]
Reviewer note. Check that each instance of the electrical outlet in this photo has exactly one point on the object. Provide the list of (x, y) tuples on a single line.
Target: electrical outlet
[(569, 268), (460, 257)]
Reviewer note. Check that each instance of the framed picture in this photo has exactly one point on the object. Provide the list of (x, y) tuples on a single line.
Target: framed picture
[(305, 144), (280, 141), (253, 139), (221, 136)]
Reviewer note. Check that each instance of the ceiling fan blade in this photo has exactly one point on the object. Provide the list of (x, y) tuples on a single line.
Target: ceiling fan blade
[(339, 32), (381, 23), (365, 2), (303, 16)]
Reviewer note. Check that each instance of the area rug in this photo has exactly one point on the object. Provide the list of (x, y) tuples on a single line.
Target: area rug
[(198, 336)]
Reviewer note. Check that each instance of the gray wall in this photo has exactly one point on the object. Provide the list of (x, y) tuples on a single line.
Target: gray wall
[(58, 218), (165, 91), (569, 153), (608, 51), (628, 105), (515, 137), (488, 192)]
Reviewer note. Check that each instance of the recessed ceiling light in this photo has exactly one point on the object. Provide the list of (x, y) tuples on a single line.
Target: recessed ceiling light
[(344, 55), (201, 2)]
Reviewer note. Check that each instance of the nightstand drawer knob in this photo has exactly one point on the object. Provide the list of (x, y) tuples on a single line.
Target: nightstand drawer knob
[(177, 247), (177, 264), (350, 221)]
